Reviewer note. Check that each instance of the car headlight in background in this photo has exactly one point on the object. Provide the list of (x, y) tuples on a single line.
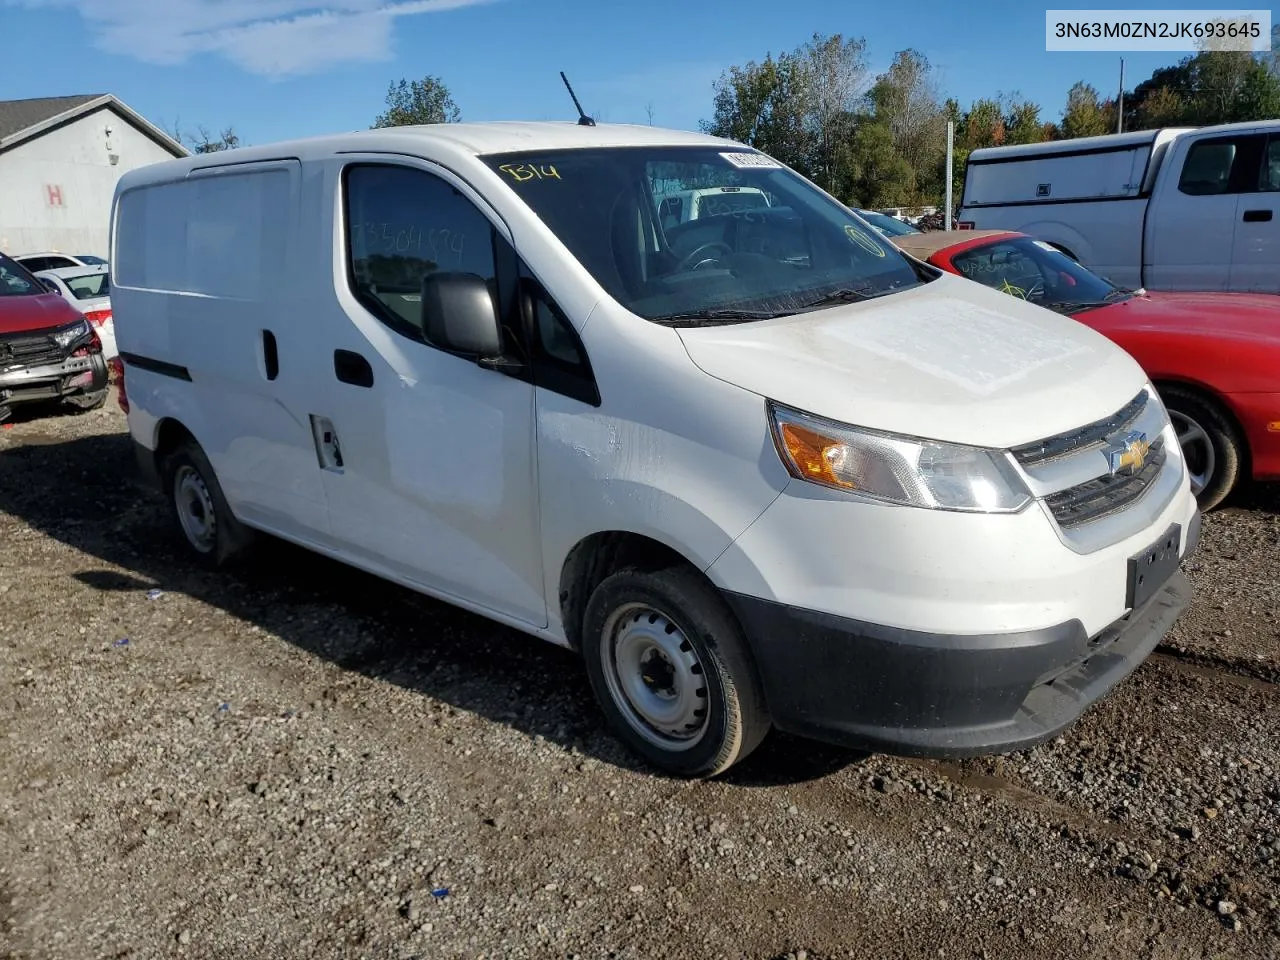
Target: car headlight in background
[(80, 330), (897, 469)]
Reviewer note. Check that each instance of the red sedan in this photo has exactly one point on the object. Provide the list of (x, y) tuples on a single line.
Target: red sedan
[(1214, 357)]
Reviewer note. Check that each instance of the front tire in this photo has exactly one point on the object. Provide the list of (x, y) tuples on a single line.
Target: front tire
[(205, 521), (1211, 444), (671, 671)]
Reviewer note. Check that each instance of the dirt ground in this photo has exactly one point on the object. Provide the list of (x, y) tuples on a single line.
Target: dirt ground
[(302, 761)]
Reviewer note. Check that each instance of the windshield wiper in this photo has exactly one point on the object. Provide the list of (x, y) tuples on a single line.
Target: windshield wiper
[(701, 318), (843, 295), (1074, 306), (1117, 294)]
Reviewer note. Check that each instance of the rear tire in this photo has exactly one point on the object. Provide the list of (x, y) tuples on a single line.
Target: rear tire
[(84, 402), (205, 521), (671, 670), (1211, 443)]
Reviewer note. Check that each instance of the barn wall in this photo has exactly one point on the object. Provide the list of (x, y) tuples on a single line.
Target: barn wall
[(56, 190)]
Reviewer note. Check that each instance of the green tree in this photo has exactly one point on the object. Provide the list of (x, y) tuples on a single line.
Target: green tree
[(411, 102), (905, 98), (1022, 121), (1086, 114), (1161, 107), (984, 125), (764, 106), (877, 174), (833, 79)]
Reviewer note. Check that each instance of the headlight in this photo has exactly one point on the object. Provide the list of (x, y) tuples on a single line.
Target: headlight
[(69, 335), (905, 470)]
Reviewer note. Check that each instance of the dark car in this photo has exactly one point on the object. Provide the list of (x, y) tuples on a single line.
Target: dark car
[(48, 349)]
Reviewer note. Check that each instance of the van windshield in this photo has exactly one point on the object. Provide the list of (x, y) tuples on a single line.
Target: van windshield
[(787, 249)]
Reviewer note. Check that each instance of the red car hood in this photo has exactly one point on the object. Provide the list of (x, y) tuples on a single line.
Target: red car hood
[(33, 313), (1237, 316)]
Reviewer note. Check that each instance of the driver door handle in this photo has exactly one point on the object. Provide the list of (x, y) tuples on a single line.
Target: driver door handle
[(350, 367), (1257, 216)]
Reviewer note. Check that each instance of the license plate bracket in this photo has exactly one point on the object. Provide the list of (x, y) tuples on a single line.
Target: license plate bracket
[(1152, 568)]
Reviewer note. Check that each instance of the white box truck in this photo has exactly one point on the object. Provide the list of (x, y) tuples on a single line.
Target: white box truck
[(1173, 209), (471, 358)]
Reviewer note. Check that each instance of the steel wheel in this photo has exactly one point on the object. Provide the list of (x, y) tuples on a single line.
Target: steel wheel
[(195, 507), (654, 677), (1197, 450)]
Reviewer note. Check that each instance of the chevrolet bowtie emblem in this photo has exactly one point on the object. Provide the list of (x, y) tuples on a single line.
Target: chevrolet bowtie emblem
[(1128, 455)]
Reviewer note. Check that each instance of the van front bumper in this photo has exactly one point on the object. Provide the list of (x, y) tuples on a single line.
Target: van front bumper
[(924, 694)]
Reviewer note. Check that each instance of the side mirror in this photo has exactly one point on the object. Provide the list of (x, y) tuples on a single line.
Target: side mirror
[(458, 315)]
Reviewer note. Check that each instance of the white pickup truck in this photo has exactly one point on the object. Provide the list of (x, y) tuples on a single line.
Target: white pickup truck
[(1172, 209)]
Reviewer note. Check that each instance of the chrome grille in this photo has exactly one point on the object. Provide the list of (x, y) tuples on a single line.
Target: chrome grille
[(1103, 496), (1076, 441)]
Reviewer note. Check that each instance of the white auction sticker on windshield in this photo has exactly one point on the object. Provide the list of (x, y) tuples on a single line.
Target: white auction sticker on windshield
[(756, 161)]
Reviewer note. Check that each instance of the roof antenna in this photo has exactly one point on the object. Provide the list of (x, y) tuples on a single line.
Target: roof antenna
[(583, 119)]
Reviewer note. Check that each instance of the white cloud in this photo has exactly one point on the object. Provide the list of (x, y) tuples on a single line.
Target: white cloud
[(275, 38)]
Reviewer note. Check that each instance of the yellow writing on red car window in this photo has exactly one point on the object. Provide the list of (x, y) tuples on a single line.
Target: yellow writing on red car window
[(524, 172)]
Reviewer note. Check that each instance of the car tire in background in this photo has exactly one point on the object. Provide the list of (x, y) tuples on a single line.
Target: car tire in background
[(1211, 443), (671, 670), (205, 521)]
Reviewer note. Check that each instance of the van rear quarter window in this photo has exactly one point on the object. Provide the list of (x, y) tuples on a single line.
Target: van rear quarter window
[(221, 236), (403, 224)]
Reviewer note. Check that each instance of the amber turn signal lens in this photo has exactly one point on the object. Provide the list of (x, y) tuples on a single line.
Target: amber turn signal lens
[(813, 454)]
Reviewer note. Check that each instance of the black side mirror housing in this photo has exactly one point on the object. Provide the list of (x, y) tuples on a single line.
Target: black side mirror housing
[(459, 315), (49, 285)]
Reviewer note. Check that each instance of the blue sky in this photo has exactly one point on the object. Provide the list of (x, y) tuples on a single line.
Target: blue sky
[(276, 69)]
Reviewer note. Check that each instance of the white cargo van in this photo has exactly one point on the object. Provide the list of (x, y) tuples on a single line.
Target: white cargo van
[(1172, 209), (759, 468)]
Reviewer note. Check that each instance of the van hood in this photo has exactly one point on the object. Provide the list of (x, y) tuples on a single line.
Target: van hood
[(950, 360), (35, 312)]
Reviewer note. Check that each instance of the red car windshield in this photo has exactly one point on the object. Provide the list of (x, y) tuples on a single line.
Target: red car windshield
[(1037, 272), (15, 281)]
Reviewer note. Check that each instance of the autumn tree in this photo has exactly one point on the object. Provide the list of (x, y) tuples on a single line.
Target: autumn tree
[(411, 102)]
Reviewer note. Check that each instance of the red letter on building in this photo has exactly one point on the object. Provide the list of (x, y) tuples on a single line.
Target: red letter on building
[(55, 194)]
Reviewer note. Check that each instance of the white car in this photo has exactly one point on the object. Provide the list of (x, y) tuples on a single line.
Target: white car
[(36, 262), (88, 289), (760, 468)]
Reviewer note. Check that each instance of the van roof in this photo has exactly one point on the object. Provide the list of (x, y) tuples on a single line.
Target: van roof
[(499, 136)]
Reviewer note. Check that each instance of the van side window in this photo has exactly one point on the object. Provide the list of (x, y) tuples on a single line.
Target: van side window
[(560, 360), (1221, 165), (401, 225)]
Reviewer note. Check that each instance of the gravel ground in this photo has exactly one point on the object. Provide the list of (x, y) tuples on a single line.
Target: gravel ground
[(202, 765)]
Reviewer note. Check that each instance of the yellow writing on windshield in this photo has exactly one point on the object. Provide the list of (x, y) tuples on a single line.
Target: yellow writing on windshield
[(524, 172), (1009, 288), (862, 240)]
